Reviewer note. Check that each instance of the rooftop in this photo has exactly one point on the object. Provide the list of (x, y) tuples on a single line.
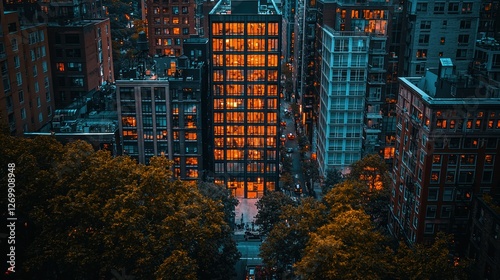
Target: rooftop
[(246, 7)]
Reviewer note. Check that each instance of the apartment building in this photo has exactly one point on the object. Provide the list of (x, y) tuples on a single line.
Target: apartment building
[(447, 149), (27, 103)]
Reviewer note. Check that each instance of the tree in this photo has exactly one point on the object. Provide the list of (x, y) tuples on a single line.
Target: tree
[(269, 210), (333, 177), (222, 195), (346, 248), (429, 262), (287, 180), (90, 215), (286, 241), (347, 195), (372, 170)]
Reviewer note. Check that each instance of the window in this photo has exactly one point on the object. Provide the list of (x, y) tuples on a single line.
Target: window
[(420, 69), (450, 177), (431, 211), (453, 7), (445, 211), (421, 7), (429, 228), (466, 7), (46, 82), (436, 159), (489, 159), (21, 96), (36, 86), (466, 177), (35, 71), (434, 176), (426, 24), (439, 7), (433, 194), (487, 176), (422, 54), (40, 117), (16, 62), (465, 24), (19, 78), (44, 67), (38, 102), (448, 194), (13, 42), (463, 39), (23, 113), (423, 39), (175, 10), (442, 41), (461, 54)]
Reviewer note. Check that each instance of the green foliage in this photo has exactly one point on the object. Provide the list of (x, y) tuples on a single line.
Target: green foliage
[(89, 214)]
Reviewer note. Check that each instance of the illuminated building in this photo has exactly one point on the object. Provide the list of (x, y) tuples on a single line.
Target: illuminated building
[(27, 102), (245, 85), (172, 22), (447, 152)]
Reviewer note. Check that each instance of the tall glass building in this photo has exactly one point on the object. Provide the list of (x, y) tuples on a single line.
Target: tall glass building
[(245, 72)]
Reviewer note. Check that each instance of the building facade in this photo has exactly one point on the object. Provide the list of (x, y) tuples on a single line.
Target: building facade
[(160, 115), (436, 29), (81, 60), (27, 103), (446, 153), (353, 115), (170, 23), (245, 72), (484, 238)]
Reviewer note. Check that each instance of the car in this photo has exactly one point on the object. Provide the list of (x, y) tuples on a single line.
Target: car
[(289, 150), (283, 138), (298, 189), (283, 124), (291, 136)]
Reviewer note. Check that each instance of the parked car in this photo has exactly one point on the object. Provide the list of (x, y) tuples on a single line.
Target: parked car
[(283, 124), (291, 136), (283, 138)]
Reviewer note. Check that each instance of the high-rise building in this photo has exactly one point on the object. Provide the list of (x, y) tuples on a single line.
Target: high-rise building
[(27, 102), (437, 29), (447, 152), (351, 82), (245, 72), (170, 23)]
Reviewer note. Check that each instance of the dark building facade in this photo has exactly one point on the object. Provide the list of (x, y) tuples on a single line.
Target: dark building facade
[(81, 59), (27, 102), (245, 74)]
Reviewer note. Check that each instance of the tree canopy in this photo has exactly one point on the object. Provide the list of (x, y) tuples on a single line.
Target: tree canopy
[(89, 215)]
